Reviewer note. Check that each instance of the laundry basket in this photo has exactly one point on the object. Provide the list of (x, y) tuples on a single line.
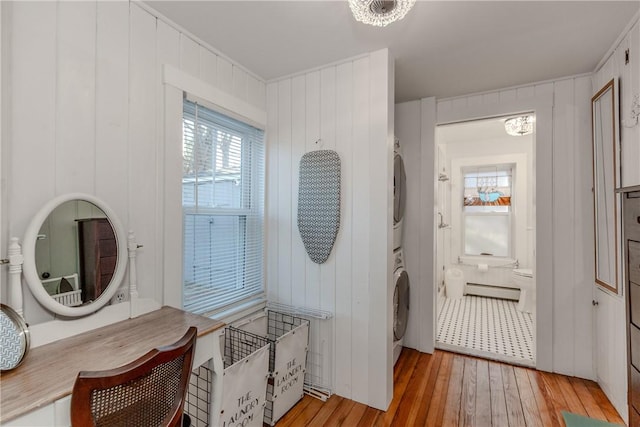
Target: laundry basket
[(244, 381), (289, 338)]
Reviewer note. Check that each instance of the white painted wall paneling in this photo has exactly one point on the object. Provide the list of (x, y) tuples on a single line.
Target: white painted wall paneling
[(3, 154), (536, 98), (426, 300), (342, 355), (90, 72), (360, 237), (610, 330), (298, 148), (380, 344), (75, 98), (284, 192), (332, 106), (112, 106), (143, 150), (407, 128), (33, 51)]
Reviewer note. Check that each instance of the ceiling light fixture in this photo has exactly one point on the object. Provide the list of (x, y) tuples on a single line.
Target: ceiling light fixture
[(380, 12), (519, 126)]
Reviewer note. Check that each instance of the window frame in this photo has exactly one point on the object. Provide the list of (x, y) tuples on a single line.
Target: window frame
[(509, 213), (253, 206)]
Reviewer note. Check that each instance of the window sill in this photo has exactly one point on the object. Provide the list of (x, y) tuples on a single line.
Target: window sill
[(239, 311)]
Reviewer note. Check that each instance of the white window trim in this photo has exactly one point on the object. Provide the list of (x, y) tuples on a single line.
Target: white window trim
[(214, 98), (176, 84)]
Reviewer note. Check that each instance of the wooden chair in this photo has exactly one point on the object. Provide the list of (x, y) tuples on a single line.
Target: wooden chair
[(149, 391)]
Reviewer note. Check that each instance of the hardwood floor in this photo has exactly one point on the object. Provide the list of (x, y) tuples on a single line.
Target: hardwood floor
[(447, 389)]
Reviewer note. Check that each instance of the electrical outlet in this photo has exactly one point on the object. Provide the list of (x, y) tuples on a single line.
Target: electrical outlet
[(120, 296)]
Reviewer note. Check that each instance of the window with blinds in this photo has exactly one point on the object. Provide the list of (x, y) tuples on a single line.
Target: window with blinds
[(487, 210), (223, 210)]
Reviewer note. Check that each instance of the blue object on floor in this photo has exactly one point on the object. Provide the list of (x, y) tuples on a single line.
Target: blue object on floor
[(574, 420)]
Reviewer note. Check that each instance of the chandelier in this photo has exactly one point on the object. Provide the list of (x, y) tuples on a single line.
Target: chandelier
[(380, 12), (519, 126)]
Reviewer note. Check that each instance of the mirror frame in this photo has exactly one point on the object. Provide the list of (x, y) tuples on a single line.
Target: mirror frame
[(29, 251), (611, 284)]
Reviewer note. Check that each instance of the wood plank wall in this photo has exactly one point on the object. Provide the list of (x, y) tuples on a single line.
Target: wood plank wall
[(86, 114), (572, 270), (345, 107), (610, 322)]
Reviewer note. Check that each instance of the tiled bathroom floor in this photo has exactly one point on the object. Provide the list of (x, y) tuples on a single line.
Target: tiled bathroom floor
[(486, 327)]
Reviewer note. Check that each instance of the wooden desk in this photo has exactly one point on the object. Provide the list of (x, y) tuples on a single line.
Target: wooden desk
[(49, 371)]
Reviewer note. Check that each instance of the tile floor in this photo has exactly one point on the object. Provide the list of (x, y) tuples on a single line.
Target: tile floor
[(486, 327)]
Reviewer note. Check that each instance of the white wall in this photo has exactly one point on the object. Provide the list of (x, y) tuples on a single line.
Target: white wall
[(566, 227), (85, 114), (349, 108), (418, 224), (610, 322)]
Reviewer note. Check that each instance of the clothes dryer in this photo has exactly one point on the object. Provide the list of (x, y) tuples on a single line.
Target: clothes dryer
[(400, 303)]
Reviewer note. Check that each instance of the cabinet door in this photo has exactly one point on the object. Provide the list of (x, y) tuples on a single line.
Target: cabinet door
[(40, 417)]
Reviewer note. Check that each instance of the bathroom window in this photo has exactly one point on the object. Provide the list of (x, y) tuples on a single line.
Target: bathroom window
[(487, 210), (223, 209)]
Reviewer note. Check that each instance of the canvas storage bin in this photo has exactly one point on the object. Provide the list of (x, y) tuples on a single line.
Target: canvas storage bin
[(244, 379), (289, 339)]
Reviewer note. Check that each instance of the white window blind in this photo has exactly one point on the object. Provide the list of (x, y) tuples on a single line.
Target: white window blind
[(223, 210)]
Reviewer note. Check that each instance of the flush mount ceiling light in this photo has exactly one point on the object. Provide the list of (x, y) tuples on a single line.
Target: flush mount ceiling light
[(519, 126), (380, 12)]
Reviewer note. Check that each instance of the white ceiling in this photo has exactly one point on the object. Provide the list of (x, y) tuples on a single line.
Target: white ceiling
[(442, 48), (473, 131)]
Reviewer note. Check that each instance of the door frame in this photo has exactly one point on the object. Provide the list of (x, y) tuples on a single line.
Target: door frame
[(434, 114)]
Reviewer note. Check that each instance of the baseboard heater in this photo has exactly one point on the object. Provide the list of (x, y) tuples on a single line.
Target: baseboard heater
[(492, 291)]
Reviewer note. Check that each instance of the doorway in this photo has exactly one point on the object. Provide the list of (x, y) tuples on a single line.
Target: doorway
[(485, 238)]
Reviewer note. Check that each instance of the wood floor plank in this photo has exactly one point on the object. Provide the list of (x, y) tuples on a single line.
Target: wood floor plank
[(499, 416), (570, 396), (512, 397), (445, 389), (527, 398), (435, 414), (557, 397), (307, 414), (468, 397), (400, 385), (326, 411), (483, 394), (420, 410), (454, 394), (341, 413), (289, 418), (544, 401), (587, 400), (400, 364), (413, 395), (369, 417), (354, 417), (604, 404)]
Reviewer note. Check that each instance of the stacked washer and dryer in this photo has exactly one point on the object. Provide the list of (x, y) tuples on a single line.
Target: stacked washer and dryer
[(400, 276)]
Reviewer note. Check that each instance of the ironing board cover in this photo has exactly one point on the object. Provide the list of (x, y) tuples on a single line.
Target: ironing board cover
[(319, 202)]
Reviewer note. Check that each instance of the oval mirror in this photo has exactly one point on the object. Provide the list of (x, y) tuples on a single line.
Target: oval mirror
[(75, 255)]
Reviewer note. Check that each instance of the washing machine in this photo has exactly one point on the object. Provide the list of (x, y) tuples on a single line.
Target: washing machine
[(400, 302), (399, 194)]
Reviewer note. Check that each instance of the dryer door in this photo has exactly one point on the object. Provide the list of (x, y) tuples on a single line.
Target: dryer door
[(399, 188), (400, 304)]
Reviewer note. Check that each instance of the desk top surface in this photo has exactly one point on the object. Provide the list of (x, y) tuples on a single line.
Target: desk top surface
[(49, 371)]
